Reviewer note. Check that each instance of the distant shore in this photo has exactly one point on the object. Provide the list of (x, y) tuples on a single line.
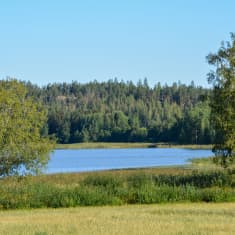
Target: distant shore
[(94, 145)]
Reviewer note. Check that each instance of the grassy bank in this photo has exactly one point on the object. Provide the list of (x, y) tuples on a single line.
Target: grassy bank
[(128, 145), (166, 219), (147, 186)]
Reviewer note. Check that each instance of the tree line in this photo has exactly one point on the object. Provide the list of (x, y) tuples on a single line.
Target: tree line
[(117, 111)]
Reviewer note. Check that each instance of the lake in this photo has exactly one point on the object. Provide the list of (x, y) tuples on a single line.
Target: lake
[(81, 160)]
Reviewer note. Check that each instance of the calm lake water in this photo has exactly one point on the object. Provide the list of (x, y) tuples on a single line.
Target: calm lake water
[(106, 159)]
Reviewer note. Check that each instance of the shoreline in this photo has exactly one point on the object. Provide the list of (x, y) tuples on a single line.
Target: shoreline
[(117, 145)]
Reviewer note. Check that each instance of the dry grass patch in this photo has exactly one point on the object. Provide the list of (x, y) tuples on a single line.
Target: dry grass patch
[(166, 219)]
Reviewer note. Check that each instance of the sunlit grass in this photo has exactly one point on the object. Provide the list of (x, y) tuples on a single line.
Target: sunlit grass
[(76, 178), (188, 218), (209, 164)]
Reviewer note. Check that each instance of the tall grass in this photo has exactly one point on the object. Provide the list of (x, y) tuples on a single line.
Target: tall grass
[(111, 189)]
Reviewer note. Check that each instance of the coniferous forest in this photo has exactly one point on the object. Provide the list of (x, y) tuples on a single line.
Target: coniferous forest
[(117, 111)]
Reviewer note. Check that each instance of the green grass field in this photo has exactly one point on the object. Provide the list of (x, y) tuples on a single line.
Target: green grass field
[(127, 145), (163, 219)]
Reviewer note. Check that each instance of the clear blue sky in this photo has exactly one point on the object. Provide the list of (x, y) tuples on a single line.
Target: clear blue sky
[(50, 41)]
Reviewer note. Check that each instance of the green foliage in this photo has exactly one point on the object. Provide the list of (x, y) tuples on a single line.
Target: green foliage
[(223, 101), (111, 189), (115, 111), (201, 180), (108, 182), (196, 126), (22, 147)]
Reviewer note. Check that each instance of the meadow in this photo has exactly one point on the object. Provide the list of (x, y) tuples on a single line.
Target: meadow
[(162, 219)]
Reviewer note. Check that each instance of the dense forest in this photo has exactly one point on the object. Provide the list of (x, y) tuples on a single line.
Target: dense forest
[(117, 111)]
